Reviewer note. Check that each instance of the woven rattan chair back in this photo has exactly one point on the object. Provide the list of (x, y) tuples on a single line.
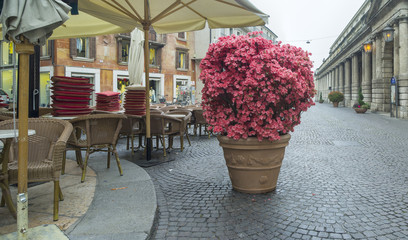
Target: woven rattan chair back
[(96, 132), (46, 149)]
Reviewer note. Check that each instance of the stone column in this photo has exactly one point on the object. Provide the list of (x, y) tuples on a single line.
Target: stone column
[(367, 71), (377, 81), (331, 81), (354, 79), (403, 67), (347, 82), (341, 77), (337, 78)]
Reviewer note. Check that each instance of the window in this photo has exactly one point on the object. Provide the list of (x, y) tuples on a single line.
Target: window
[(125, 50), (152, 35), (155, 56), (182, 59), (181, 89), (46, 50), (8, 68), (7, 50), (45, 89), (83, 49), (123, 82), (182, 36), (123, 41)]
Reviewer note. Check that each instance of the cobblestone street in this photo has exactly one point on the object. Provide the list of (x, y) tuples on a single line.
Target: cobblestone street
[(343, 177)]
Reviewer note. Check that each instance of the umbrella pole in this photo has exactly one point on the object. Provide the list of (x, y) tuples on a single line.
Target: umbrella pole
[(25, 49), (146, 28)]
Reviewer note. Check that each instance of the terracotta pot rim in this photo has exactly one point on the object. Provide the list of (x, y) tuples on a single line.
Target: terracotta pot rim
[(283, 138)]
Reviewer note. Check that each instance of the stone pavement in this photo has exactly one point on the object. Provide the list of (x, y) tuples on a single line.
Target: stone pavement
[(344, 176)]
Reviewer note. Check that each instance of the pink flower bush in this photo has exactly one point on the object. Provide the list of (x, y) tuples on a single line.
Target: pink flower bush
[(253, 88)]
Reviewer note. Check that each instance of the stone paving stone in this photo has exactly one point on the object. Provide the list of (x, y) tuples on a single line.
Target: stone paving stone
[(343, 177)]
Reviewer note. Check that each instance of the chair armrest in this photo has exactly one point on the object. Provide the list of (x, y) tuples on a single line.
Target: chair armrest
[(60, 147)]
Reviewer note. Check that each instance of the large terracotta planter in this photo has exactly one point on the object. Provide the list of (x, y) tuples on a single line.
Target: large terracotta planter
[(254, 166), (335, 104)]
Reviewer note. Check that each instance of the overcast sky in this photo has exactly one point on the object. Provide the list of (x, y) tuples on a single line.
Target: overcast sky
[(319, 21)]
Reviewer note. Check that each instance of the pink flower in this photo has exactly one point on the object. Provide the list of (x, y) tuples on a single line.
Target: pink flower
[(253, 88)]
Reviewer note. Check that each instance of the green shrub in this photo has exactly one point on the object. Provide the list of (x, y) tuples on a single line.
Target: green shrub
[(336, 96), (360, 97), (366, 106)]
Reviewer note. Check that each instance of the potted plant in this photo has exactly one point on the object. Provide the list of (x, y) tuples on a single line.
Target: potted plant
[(335, 97), (254, 92), (321, 98), (361, 106)]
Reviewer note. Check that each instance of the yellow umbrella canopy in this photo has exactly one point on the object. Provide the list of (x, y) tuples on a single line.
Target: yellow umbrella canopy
[(84, 25), (169, 16)]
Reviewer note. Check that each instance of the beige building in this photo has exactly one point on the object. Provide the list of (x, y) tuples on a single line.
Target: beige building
[(369, 54)]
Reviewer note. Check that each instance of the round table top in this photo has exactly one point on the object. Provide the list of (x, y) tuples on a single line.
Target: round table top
[(10, 133), (175, 115), (60, 117)]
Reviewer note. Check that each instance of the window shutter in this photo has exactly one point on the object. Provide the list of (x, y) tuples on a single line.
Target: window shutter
[(177, 58), (50, 48), (72, 47), (92, 47), (119, 50), (158, 56), (187, 60)]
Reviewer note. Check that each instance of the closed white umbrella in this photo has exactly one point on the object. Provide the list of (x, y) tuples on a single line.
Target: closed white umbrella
[(136, 62)]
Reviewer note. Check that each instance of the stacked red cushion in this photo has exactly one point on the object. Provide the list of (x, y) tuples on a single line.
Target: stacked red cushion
[(71, 96), (135, 101), (107, 101)]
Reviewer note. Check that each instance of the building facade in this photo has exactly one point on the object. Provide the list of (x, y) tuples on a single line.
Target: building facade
[(371, 54), (104, 60)]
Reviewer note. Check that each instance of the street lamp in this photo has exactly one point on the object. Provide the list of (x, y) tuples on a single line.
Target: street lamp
[(388, 34), (368, 46)]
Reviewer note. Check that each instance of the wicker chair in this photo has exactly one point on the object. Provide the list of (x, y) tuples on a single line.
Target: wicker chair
[(46, 149), (186, 121), (94, 133), (43, 111), (131, 126), (199, 121), (4, 118), (156, 111), (6, 114), (162, 126)]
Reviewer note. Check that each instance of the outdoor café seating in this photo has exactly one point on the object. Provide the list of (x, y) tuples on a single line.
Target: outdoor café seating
[(162, 126), (186, 121), (46, 148), (94, 133), (199, 121), (132, 126), (156, 111)]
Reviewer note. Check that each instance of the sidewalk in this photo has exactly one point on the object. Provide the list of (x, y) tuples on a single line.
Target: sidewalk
[(105, 206)]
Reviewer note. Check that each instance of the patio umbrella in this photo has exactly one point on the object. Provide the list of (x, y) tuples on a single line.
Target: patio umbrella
[(84, 25), (169, 16), (27, 23), (135, 66)]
